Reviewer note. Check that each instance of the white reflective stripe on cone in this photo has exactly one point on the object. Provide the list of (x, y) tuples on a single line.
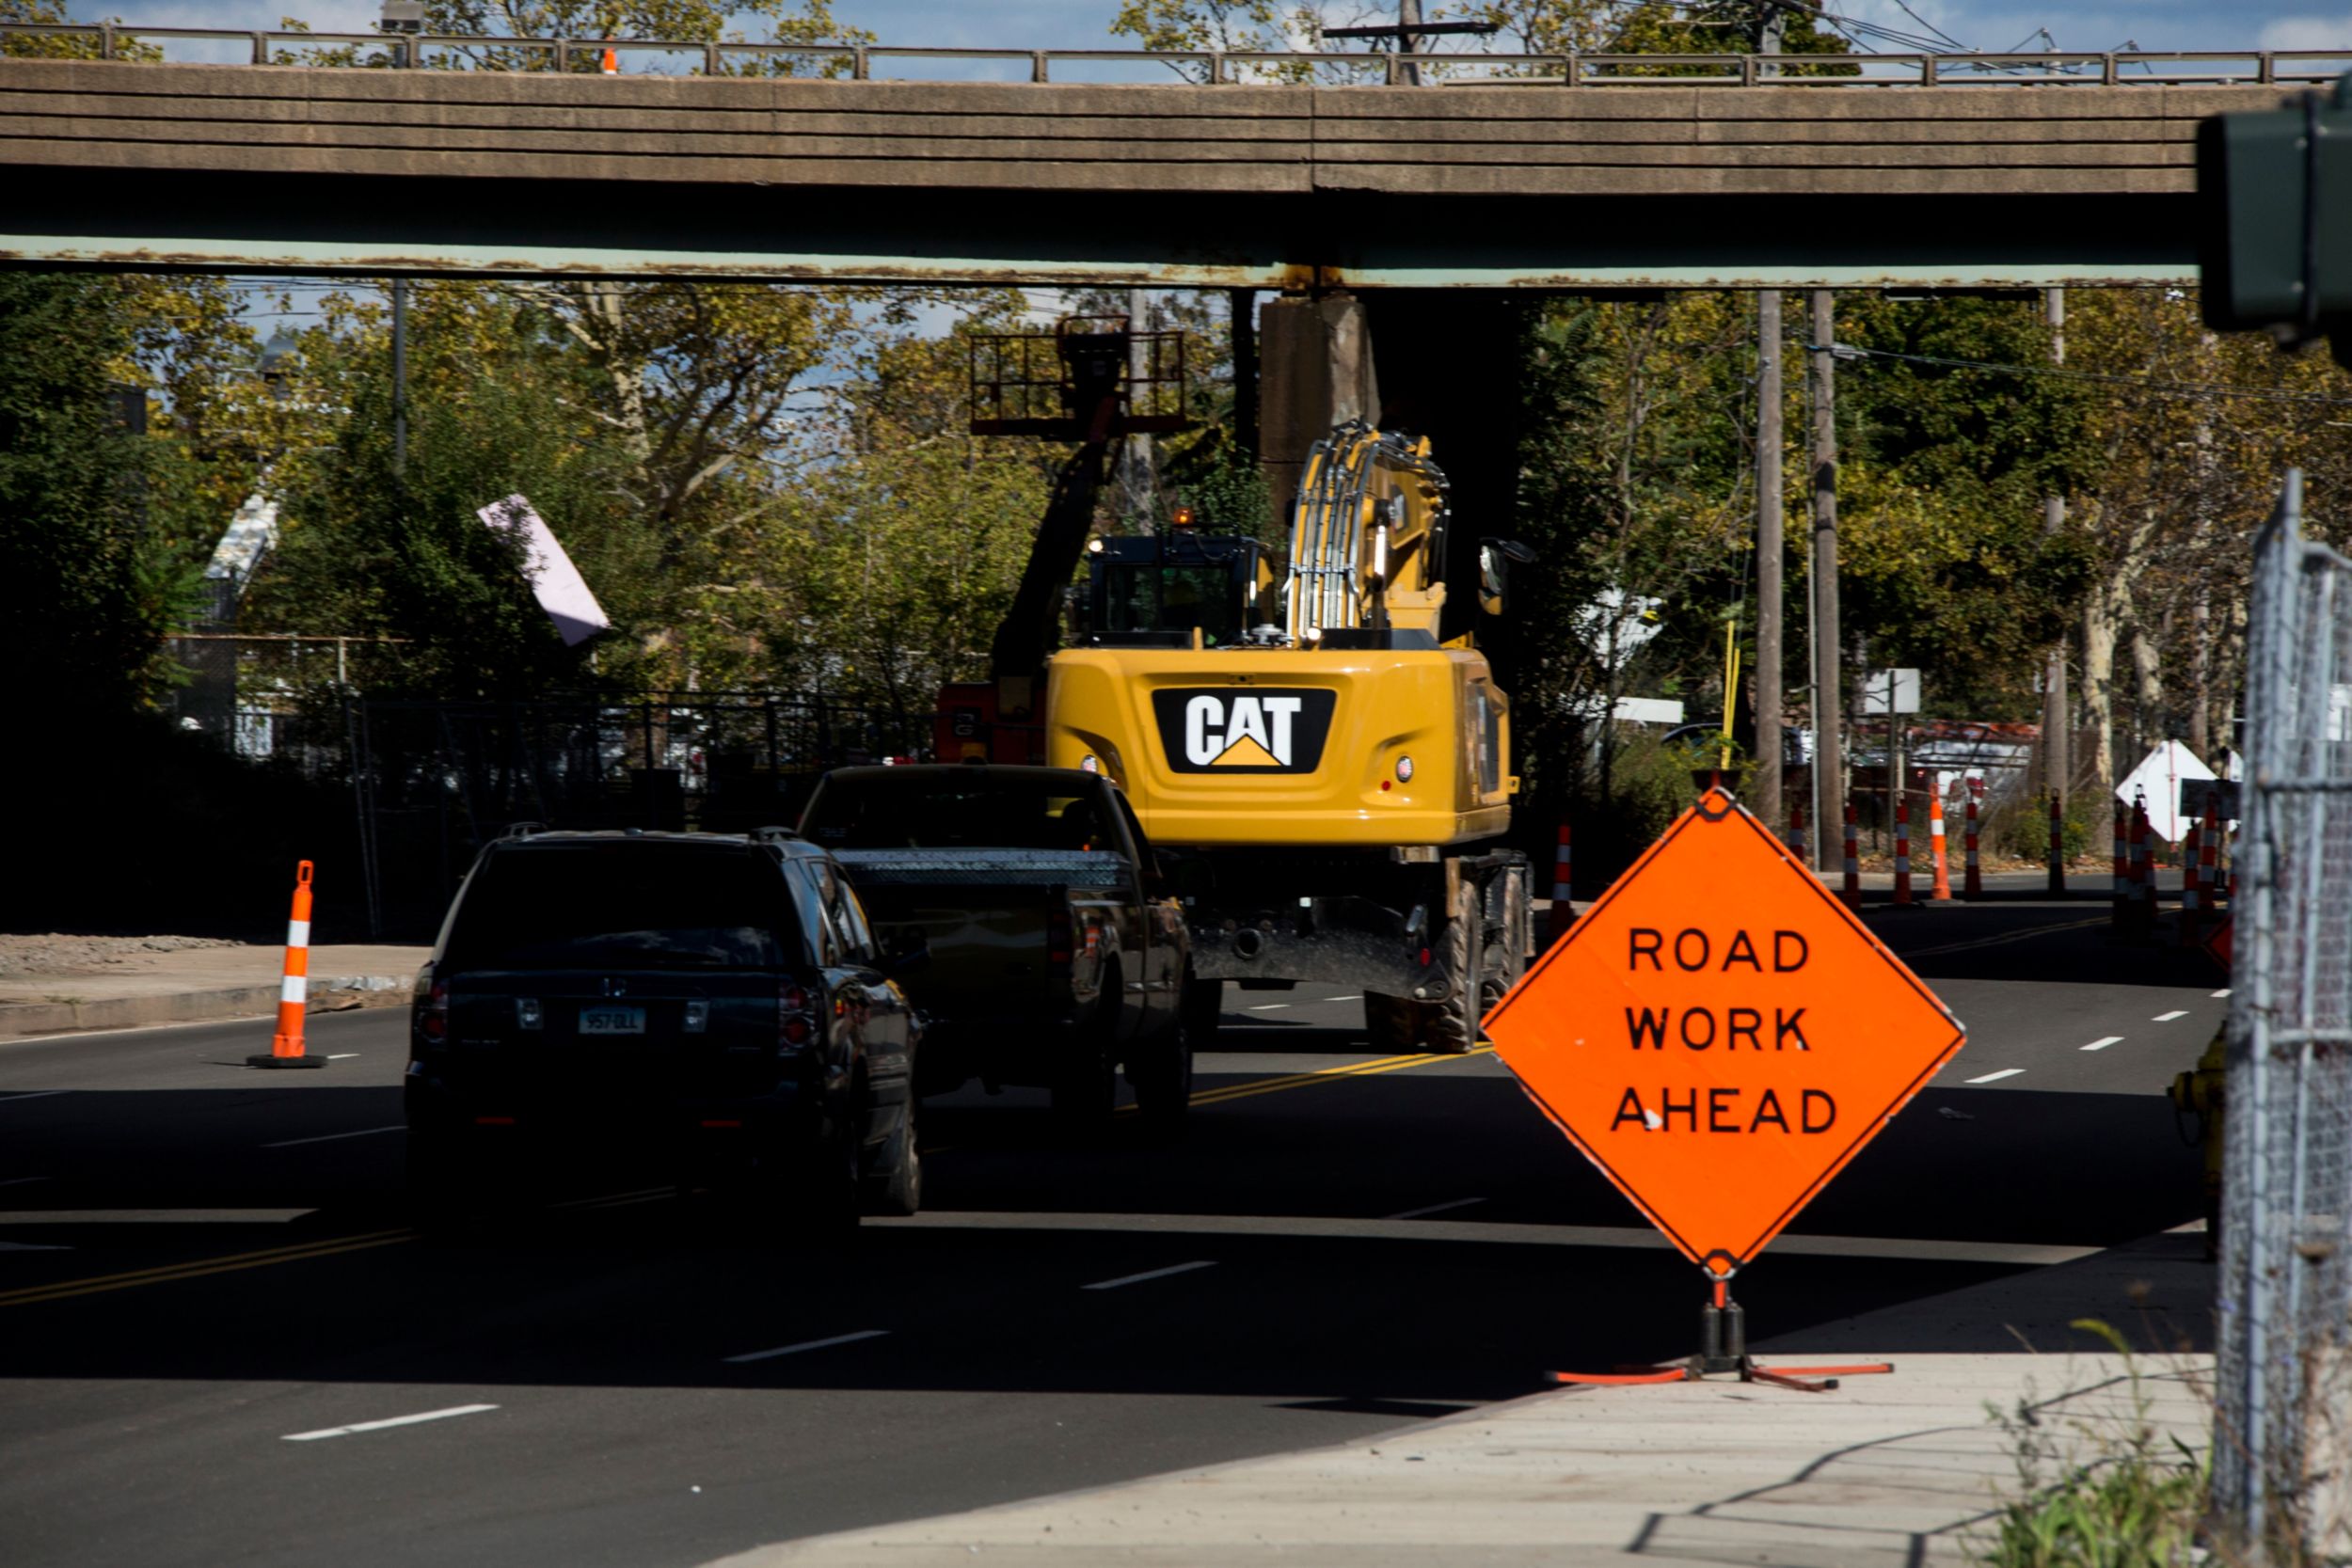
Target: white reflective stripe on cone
[(297, 933), (295, 987)]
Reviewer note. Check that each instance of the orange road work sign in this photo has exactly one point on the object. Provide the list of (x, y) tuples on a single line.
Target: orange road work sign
[(1720, 1034)]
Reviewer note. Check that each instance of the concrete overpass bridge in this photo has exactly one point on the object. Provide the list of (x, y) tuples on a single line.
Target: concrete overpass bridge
[(1596, 178)]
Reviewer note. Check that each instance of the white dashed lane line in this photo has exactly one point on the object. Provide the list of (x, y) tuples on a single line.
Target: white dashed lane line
[(2220, 994), (805, 1344), (1995, 1077), (36, 1094), (387, 1424), (1269, 1007), (1150, 1273), (23, 1180), (2167, 1018), (1436, 1209), (330, 1137), (1343, 999), (2103, 1044)]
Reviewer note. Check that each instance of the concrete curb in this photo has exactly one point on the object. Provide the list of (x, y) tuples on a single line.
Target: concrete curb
[(329, 994)]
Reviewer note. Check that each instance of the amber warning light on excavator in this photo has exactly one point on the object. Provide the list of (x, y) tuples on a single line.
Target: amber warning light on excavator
[(1719, 1035)]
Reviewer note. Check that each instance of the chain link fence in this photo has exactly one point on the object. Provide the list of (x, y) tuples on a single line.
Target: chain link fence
[(2283, 1443)]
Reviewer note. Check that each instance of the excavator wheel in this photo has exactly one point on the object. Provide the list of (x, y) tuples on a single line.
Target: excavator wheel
[(1398, 1024), (1448, 1028), (1391, 1021)]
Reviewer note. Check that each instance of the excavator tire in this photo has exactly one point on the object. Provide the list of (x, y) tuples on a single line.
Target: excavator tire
[(1390, 1023), (1448, 1028)]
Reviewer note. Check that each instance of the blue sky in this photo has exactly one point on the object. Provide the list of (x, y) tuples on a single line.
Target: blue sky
[(1084, 23)]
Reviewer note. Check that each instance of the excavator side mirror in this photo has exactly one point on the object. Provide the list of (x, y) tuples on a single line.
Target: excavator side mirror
[(1495, 558)]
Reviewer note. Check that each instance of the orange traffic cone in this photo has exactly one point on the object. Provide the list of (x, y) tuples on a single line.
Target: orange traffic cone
[(294, 992)]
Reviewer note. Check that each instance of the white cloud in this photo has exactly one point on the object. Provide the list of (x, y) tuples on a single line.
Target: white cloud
[(2305, 32)]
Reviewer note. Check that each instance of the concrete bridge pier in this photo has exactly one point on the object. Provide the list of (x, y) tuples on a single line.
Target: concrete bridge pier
[(1447, 368), (1314, 371)]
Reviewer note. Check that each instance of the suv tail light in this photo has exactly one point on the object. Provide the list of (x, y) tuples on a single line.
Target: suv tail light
[(796, 1025), (432, 1011), (1058, 942)]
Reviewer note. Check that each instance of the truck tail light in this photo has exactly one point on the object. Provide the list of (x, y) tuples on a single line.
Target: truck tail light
[(1059, 943), (796, 1025)]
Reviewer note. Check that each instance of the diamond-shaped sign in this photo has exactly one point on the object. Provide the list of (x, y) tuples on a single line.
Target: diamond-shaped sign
[(1720, 1034)]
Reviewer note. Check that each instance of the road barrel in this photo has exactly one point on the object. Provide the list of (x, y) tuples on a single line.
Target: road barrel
[(2190, 901), (294, 990), (2209, 861), (2119, 894), (1941, 891), (1972, 876), (1903, 849), (1853, 858), (1562, 911)]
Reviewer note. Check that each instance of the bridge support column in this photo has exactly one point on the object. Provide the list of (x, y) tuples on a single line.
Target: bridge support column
[(1316, 370)]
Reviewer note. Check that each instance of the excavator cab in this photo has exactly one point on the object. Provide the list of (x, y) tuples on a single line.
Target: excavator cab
[(1162, 590)]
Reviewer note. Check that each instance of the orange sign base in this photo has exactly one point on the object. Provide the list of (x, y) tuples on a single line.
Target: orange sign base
[(1723, 1348)]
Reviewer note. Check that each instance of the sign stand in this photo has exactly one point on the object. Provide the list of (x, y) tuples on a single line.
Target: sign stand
[(1724, 1348), (1721, 1036)]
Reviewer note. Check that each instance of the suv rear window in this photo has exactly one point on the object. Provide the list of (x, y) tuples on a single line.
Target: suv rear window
[(622, 906), (959, 811)]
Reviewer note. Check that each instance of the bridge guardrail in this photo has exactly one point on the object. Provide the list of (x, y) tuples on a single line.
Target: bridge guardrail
[(858, 62)]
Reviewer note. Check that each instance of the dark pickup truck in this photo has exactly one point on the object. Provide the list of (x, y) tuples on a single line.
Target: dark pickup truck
[(1056, 954)]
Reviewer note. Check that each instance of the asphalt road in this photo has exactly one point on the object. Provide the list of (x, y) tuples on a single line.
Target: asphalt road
[(210, 1297)]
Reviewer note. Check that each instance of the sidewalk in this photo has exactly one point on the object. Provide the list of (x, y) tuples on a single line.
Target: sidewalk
[(1884, 1472), (143, 988)]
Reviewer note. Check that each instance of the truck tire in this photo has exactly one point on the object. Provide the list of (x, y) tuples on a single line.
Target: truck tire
[(1085, 1086), (1163, 1078), (1204, 1008), (896, 1186)]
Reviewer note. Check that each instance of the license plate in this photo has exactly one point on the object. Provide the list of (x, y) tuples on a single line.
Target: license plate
[(611, 1021)]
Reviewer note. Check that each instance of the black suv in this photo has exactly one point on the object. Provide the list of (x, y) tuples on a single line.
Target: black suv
[(688, 999)]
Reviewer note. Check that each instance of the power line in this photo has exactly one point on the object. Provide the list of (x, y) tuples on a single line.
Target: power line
[(2129, 383)]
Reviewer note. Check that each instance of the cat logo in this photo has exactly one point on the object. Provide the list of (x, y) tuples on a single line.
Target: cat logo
[(1244, 729)]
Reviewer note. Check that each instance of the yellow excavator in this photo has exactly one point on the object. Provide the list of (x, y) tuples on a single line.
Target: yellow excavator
[(1325, 778), (1327, 783)]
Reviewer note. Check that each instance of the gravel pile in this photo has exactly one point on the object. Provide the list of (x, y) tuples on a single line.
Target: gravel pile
[(56, 954)]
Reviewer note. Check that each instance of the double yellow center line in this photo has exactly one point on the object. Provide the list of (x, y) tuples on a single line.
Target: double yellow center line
[(330, 1246), (197, 1268)]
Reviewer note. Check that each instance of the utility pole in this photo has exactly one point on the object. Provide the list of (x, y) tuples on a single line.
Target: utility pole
[(2058, 773), (1409, 40), (399, 376), (1244, 313), (1135, 452), (1765, 33), (1829, 758), (1770, 546)]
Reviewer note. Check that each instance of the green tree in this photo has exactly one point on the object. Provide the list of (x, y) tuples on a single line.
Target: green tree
[(90, 583), (369, 547)]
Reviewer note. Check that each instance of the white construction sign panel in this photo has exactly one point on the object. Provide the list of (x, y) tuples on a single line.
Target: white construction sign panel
[(2158, 777), (1891, 691), (557, 584)]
